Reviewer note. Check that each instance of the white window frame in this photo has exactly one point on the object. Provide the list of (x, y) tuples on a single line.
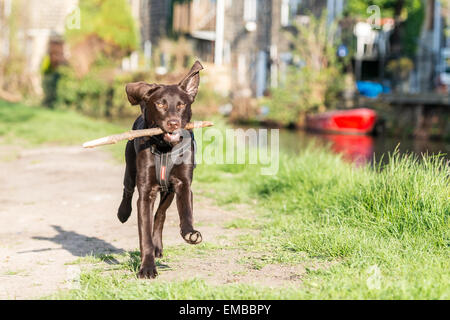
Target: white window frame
[(250, 10), (288, 12), (285, 13)]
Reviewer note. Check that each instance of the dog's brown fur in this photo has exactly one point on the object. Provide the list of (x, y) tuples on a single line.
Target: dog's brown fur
[(169, 108)]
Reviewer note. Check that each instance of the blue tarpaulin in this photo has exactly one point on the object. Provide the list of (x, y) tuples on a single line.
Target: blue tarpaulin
[(369, 89)]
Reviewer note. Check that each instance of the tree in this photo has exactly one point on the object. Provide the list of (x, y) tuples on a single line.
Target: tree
[(106, 34), (107, 30), (408, 16), (14, 82), (314, 79)]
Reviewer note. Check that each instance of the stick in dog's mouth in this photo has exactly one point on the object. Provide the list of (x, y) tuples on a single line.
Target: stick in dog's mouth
[(133, 134)]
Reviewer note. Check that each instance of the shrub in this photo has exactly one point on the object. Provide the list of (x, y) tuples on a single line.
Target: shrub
[(107, 32), (314, 80)]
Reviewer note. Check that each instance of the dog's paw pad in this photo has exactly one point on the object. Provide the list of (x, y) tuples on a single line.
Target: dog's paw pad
[(147, 273), (193, 237), (158, 253)]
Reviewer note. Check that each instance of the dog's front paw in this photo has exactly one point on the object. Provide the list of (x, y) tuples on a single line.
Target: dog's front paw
[(192, 237), (147, 272), (124, 211)]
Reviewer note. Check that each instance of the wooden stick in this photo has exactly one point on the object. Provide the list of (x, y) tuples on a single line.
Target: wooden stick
[(133, 134)]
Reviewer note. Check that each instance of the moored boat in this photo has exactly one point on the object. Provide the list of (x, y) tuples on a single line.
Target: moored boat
[(353, 121)]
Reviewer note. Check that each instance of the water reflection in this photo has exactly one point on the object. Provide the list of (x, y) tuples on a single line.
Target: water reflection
[(358, 149)]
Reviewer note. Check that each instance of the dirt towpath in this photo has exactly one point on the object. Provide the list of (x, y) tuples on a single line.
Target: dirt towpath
[(59, 203)]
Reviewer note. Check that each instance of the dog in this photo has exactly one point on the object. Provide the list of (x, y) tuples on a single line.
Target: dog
[(167, 107)]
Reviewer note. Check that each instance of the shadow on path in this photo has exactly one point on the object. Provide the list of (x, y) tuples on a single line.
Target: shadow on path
[(79, 245)]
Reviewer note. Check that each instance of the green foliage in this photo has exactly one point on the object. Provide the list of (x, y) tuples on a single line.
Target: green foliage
[(87, 94), (358, 8), (402, 67), (413, 26), (413, 15), (284, 102), (13, 65), (89, 82), (99, 93), (110, 20)]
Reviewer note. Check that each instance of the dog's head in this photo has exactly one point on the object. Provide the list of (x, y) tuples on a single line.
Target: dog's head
[(167, 106)]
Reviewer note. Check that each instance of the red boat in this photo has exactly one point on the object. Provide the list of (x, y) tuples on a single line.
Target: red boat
[(354, 121)]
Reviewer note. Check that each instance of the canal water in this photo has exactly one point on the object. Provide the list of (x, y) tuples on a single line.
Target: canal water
[(360, 148)]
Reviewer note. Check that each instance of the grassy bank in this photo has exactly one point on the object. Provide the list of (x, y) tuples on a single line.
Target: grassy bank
[(382, 232), (32, 126), (385, 230)]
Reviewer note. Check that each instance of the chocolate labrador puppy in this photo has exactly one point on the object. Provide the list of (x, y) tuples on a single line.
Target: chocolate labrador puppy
[(148, 164)]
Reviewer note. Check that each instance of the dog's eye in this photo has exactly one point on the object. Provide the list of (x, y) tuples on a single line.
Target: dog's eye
[(161, 105), (181, 106)]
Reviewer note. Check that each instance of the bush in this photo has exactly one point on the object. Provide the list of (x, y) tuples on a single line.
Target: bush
[(96, 94), (313, 81), (89, 81), (101, 92), (107, 33)]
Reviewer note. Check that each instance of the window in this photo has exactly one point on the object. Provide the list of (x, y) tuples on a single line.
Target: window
[(285, 13), (289, 10)]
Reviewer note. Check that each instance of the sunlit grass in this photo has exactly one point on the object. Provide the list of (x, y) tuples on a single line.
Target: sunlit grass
[(32, 126), (393, 216)]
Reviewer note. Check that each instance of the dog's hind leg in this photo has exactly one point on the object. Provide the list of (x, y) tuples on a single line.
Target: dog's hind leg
[(160, 217), (129, 183)]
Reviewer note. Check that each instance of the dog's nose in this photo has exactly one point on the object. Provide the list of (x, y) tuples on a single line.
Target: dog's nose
[(173, 124)]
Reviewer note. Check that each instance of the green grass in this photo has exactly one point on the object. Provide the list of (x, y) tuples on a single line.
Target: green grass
[(98, 286), (392, 218), (100, 280), (32, 126)]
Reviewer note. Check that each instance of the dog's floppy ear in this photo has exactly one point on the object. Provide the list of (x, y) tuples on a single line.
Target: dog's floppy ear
[(136, 91), (190, 83)]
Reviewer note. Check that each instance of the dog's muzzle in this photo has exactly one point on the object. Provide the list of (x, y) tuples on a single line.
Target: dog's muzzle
[(173, 137)]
